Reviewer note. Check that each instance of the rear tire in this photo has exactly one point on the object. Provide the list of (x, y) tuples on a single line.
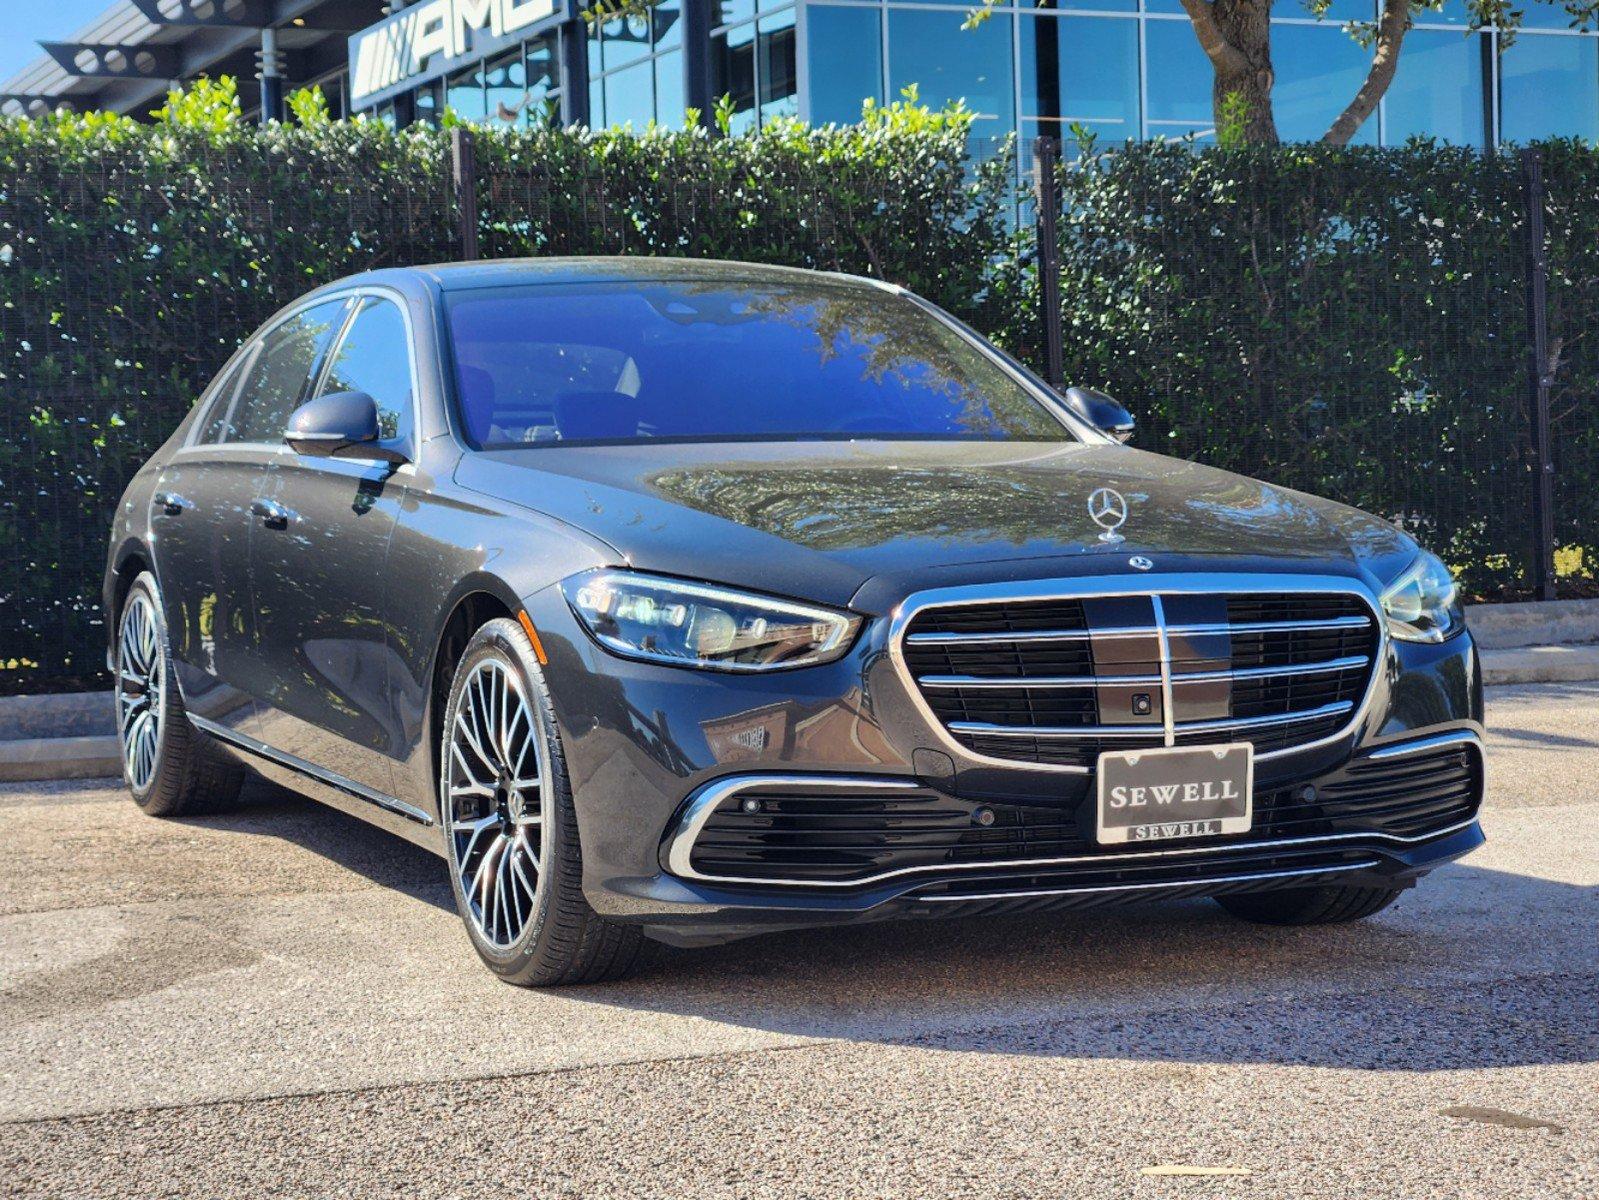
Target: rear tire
[(1327, 905), (510, 828), (171, 768)]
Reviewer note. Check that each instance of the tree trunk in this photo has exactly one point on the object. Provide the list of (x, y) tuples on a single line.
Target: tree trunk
[(1236, 37), (1391, 30)]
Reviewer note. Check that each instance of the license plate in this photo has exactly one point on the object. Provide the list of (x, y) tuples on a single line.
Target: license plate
[(1157, 795)]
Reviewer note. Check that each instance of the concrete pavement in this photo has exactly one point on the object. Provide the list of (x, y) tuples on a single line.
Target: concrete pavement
[(280, 1002)]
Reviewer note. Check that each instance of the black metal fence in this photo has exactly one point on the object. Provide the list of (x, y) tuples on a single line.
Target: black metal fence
[(1410, 331), (1365, 324)]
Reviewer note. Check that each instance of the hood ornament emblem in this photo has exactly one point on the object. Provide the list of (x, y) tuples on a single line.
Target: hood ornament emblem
[(1108, 509), (1139, 563)]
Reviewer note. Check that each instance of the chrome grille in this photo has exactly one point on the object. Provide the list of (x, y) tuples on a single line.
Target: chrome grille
[(1057, 681)]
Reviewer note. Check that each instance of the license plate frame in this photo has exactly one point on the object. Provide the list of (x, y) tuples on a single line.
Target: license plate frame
[(1193, 788)]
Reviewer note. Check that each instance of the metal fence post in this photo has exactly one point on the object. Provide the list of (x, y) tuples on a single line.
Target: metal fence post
[(1538, 380), (1046, 156), (463, 172)]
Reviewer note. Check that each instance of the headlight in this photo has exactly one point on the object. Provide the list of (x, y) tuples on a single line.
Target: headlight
[(694, 625), (1423, 604)]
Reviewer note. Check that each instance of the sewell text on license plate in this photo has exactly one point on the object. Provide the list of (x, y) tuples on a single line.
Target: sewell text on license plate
[(1183, 792)]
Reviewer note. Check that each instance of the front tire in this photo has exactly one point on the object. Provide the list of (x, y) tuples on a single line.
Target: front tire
[(1330, 904), (516, 867), (170, 767)]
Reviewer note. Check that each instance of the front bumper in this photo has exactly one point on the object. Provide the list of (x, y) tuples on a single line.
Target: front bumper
[(652, 749)]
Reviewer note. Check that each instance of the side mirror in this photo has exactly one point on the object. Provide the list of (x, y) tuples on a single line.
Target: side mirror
[(340, 425), (1101, 411)]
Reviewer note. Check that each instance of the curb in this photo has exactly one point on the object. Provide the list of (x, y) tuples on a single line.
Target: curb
[(33, 759), (1540, 664)]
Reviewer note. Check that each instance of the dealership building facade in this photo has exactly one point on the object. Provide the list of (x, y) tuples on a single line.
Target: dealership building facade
[(1122, 68)]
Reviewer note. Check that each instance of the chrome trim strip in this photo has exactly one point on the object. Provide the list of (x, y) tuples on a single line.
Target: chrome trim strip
[(1128, 631), (1115, 731), (1357, 865), (708, 798), (1032, 635), (705, 801), (1217, 583), (1038, 681), (1456, 737), (1271, 626), (348, 786), (1168, 708), (1067, 681), (1317, 668)]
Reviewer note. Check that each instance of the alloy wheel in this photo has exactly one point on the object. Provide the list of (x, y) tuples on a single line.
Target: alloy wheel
[(141, 690), (493, 802)]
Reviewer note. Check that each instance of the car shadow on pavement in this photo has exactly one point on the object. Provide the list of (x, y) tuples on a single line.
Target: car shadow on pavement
[(264, 809), (1475, 967)]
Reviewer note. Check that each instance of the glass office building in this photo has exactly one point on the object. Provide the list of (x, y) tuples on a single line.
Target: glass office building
[(1122, 68)]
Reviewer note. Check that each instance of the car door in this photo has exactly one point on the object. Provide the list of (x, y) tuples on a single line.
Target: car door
[(201, 517), (321, 592)]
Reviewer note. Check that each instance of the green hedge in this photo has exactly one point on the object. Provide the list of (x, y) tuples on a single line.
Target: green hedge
[(1350, 322), (134, 258)]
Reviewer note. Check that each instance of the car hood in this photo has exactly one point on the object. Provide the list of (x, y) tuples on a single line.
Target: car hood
[(821, 519)]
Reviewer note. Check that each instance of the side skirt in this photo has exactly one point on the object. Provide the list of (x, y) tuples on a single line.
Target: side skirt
[(366, 804)]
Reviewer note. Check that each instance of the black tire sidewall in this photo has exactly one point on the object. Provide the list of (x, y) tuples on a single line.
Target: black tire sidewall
[(504, 640), (146, 585)]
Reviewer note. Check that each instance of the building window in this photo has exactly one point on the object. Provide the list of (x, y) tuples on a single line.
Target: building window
[(844, 53), (1437, 91), (1549, 87), (1179, 80), (778, 78), (429, 103), (505, 89), (928, 48), (643, 76), (1079, 71), (465, 96), (1319, 70)]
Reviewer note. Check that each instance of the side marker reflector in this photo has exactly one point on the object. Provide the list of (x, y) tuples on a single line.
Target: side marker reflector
[(532, 636)]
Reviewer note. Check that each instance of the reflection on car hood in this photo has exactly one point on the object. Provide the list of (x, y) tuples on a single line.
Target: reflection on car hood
[(818, 519)]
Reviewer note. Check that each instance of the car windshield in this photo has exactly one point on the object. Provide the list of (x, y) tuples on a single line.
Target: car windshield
[(724, 361)]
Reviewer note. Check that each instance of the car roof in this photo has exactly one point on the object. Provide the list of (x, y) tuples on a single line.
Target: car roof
[(505, 272)]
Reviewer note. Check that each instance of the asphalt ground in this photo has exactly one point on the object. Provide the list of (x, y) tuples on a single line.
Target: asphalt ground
[(280, 1002)]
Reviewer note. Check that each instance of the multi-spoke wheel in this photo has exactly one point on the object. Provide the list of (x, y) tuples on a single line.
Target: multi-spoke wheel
[(509, 826), (493, 784), (170, 767), (141, 689)]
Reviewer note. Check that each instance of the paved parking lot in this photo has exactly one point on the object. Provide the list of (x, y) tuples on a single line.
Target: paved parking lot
[(280, 1002)]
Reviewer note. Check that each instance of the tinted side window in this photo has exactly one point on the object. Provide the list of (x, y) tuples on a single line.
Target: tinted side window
[(277, 378), (375, 358), (216, 420)]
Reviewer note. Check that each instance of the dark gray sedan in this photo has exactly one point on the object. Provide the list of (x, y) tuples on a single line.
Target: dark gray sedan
[(688, 600)]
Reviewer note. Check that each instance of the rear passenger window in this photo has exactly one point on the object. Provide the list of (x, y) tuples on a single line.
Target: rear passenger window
[(277, 379), (216, 420), (375, 358)]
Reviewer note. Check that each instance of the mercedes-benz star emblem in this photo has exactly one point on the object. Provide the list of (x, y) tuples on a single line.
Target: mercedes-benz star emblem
[(1139, 563), (1109, 511)]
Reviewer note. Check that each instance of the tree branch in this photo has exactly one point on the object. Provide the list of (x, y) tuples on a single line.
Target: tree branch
[(1223, 55), (1391, 30)]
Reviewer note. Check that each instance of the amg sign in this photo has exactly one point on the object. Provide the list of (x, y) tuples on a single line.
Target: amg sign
[(426, 40)]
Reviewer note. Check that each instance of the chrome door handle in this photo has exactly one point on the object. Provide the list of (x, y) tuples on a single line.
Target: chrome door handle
[(171, 503), (273, 514)]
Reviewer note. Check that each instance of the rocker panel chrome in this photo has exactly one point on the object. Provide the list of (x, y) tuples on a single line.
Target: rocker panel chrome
[(311, 771)]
